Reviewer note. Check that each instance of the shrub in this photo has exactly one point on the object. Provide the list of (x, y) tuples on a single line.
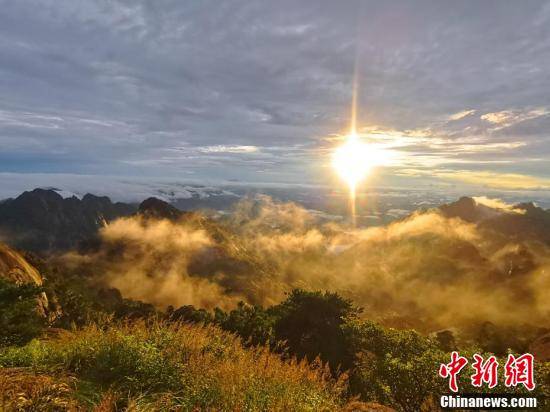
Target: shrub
[(19, 317), (306, 325), (400, 368), (311, 325), (394, 367), (252, 323), (181, 365)]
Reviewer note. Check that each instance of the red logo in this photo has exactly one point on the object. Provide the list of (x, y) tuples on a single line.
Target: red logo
[(517, 371), (485, 371), (452, 369)]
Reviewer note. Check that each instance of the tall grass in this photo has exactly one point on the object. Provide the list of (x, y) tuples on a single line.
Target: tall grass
[(179, 367)]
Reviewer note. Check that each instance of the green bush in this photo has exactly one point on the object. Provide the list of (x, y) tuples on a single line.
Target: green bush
[(252, 323), (20, 320), (306, 325), (311, 325), (394, 367)]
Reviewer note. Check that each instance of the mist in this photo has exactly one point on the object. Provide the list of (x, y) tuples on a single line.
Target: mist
[(425, 271)]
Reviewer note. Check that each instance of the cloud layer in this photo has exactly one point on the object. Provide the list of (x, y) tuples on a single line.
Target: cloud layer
[(426, 269), (255, 91)]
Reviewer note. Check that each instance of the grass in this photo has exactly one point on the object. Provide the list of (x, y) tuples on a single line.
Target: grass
[(138, 366)]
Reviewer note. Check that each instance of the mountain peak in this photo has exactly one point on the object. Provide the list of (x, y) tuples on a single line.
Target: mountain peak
[(529, 207), (156, 208), (91, 197), (42, 220), (466, 208), (46, 194)]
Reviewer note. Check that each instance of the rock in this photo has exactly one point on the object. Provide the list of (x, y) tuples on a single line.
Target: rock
[(14, 268)]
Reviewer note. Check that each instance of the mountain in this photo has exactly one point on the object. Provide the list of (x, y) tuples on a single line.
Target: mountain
[(467, 209), (529, 222), (159, 209), (42, 220), (521, 222)]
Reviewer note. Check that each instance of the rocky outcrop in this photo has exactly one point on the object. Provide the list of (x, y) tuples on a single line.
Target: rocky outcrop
[(15, 268)]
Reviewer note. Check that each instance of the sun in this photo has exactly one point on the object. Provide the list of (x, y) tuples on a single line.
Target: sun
[(354, 160)]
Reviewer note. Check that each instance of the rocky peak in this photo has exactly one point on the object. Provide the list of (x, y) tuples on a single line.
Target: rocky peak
[(466, 208), (156, 208), (42, 220)]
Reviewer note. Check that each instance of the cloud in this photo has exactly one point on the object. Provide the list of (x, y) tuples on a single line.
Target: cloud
[(461, 115), (496, 180), (266, 248), (498, 204), (133, 190), (110, 87), (507, 118), (228, 149), (148, 260)]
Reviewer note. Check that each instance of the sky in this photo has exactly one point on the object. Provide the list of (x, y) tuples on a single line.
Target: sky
[(260, 91)]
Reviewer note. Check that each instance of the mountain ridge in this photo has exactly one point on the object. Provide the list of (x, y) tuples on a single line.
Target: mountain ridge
[(42, 220), (521, 222)]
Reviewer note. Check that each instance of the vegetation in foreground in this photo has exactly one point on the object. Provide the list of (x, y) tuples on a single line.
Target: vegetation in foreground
[(245, 359), (159, 366)]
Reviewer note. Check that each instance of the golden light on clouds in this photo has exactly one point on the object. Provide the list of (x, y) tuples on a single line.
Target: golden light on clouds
[(440, 151), (507, 118), (498, 204), (496, 180), (461, 115), (489, 179)]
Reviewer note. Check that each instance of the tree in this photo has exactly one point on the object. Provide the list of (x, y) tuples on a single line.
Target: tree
[(188, 313), (311, 325), (394, 367), (252, 323), (20, 320)]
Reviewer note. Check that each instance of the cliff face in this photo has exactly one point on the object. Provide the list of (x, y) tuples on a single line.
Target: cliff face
[(15, 268)]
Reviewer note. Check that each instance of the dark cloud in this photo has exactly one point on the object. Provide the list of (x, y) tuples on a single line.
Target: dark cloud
[(141, 88)]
